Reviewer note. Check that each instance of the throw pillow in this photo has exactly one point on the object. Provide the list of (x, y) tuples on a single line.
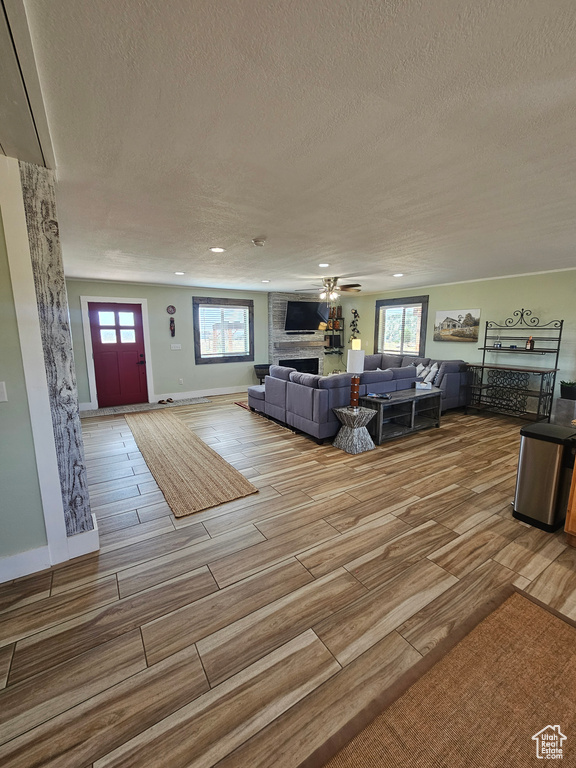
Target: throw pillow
[(419, 368), (432, 374), (425, 371)]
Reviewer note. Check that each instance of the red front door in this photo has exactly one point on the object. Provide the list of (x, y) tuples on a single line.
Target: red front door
[(118, 348)]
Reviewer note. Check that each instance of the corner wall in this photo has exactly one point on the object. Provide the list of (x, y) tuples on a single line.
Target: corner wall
[(21, 517), (549, 295)]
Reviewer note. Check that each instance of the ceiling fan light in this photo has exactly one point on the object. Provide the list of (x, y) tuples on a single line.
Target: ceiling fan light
[(334, 295), (323, 294)]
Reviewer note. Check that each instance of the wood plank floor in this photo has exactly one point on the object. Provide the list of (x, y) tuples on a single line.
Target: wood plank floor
[(248, 634)]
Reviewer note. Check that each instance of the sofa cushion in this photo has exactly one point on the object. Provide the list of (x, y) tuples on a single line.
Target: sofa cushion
[(374, 377), (371, 362), (391, 361), (306, 379), (411, 360), (281, 372), (449, 366), (336, 381), (257, 392), (407, 372)]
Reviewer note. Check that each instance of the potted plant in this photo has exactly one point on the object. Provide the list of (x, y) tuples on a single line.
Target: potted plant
[(568, 390)]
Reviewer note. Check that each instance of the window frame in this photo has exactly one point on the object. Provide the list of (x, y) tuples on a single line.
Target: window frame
[(199, 301), (405, 300)]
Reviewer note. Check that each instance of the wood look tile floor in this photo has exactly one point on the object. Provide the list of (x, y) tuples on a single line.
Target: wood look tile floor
[(248, 634)]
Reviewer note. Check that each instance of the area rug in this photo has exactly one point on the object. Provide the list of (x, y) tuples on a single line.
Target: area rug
[(243, 405), (140, 407), (189, 473), (503, 696)]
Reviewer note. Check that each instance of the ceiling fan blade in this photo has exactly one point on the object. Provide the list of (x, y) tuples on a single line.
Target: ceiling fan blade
[(349, 289)]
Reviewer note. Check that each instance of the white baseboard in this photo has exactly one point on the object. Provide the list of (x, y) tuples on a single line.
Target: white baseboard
[(34, 560), (182, 395), (24, 563), (202, 393), (85, 542)]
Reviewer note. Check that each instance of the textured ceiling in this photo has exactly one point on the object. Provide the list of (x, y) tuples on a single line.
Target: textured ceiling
[(435, 138)]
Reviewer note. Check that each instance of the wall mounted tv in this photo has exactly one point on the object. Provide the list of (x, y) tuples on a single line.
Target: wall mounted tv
[(306, 316)]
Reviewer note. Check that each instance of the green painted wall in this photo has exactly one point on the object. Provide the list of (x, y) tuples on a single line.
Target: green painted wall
[(169, 366), (550, 296), (21, 518)]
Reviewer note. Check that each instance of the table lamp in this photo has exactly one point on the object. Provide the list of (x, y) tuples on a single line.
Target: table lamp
[(355, 365)]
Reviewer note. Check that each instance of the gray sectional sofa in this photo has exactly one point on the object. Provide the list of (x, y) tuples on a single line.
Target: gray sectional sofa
[(305, 402)]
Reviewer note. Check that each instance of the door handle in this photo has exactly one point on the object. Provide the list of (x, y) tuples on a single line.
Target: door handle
[(141, 362)]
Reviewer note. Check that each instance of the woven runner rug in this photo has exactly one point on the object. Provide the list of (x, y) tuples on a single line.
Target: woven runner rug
[(190, 474), (503, 696), (138, 407)]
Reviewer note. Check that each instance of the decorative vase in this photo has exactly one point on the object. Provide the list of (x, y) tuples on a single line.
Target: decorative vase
[(567, 393)]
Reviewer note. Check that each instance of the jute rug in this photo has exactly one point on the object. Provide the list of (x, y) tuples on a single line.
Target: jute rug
[(190, 474), (503, 696), (138, 407)]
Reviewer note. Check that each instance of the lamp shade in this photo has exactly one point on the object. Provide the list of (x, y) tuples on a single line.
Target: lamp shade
[(356, 343), (355, 361)]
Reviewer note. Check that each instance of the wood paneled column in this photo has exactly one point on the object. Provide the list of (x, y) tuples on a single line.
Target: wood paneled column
[(46, 257)]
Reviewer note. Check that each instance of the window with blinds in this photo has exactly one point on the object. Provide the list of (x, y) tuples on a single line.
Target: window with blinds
[(401, 325), (223, 330)]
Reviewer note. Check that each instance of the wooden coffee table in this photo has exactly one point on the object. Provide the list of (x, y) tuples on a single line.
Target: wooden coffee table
[(407, 411)]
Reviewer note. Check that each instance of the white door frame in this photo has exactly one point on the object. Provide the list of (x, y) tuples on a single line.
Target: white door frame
[(84, 301)]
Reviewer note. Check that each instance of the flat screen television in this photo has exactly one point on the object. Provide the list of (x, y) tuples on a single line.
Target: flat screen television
[(306, 316)]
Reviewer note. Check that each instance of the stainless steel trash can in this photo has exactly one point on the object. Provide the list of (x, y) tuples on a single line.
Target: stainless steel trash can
[(545, 467)]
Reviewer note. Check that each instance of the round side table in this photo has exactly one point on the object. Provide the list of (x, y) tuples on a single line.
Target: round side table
[(353, 436)]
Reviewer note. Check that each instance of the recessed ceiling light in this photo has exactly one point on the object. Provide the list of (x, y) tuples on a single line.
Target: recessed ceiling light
[(179, 273), (323, 265), (398, 274), (217, 249), (265, 281)]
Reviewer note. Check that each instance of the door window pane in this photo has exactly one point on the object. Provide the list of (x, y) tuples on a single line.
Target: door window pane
[(108, 336), (127, 336), (106, 318), (126, 318)]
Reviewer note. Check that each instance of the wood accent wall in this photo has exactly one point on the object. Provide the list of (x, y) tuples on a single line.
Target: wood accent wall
[(46, 257)]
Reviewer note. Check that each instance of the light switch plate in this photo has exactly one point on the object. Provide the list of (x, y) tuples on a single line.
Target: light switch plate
[(3, 395), (175, 346)]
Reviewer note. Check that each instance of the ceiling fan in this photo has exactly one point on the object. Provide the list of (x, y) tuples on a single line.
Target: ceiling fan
[(331, 290)]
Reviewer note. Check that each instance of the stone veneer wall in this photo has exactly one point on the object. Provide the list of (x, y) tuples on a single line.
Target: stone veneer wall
[(282, 345)]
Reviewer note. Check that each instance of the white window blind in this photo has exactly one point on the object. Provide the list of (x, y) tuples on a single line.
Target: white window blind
[(224, 330), (399, 329)]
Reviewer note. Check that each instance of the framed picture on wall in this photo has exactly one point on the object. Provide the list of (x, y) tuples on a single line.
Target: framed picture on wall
[(457, 325)]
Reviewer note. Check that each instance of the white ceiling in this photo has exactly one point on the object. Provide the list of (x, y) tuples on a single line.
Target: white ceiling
[(432, 138)]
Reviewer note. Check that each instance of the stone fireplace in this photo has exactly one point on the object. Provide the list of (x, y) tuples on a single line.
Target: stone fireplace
[(307, 349)]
